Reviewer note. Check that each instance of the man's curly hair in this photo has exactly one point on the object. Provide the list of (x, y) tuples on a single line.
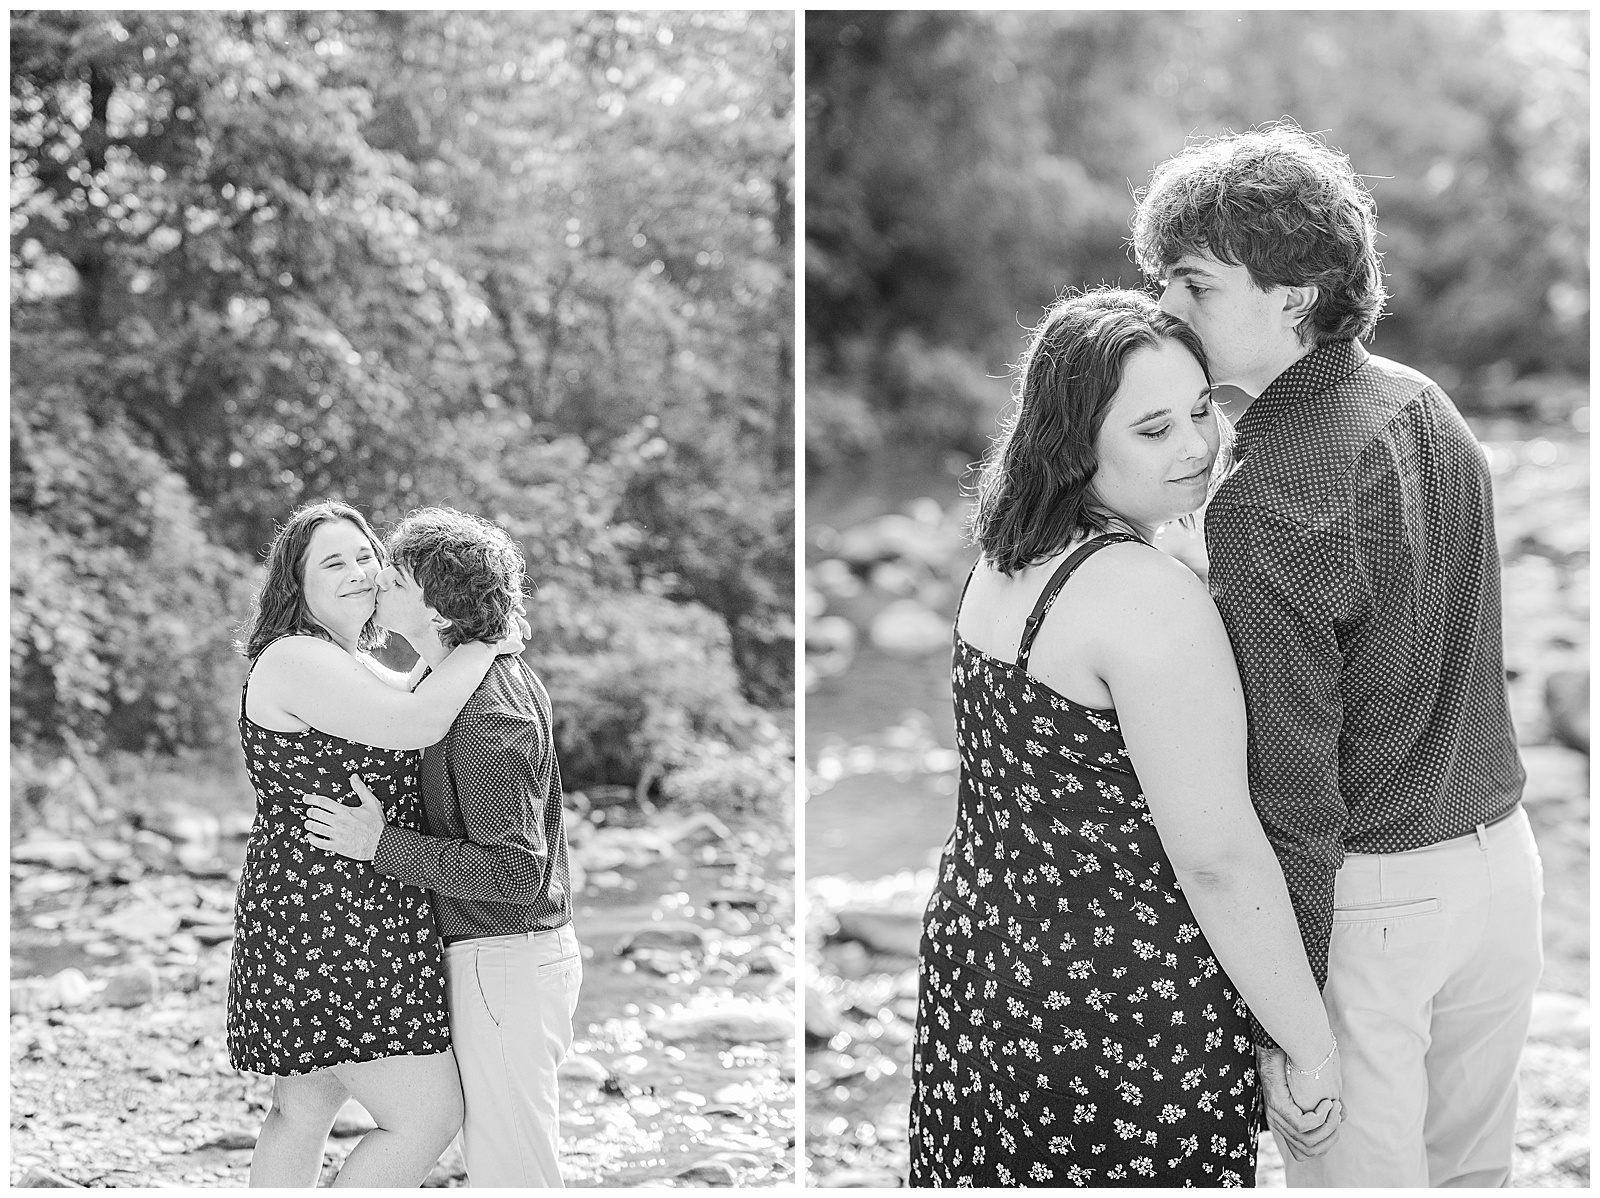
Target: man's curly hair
[(469, 570), (1280, 202)]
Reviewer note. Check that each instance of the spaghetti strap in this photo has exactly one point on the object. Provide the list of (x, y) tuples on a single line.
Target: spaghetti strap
[(1058, 580), (963, 597)]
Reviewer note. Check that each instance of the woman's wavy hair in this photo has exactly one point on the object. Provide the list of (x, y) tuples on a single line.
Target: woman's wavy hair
[(470, 570), (280, 607), (1034, 494), (1280, 202)]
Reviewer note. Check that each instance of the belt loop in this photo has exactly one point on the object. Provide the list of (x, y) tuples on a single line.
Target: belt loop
[(1483, 838)]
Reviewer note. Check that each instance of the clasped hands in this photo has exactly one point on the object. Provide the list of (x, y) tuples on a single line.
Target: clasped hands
[(1304, 1111)]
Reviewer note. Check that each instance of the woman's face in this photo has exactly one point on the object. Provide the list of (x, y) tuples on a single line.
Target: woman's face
[(1159, 439), (339, 572)]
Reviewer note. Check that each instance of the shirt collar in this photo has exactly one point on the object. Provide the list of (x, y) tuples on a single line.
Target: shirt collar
[(1305, 378)]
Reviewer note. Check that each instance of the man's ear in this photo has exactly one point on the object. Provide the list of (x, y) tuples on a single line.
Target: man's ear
[(1298, 303), (440, 622)]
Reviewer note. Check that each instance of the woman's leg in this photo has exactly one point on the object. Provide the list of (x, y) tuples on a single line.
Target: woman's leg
[(289, 1149), (416, 1103)]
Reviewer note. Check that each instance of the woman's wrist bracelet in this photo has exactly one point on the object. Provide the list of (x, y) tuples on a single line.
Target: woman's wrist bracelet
[(1317, 1072)]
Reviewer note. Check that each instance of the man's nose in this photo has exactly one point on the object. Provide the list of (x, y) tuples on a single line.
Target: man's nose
[(1171, 300)]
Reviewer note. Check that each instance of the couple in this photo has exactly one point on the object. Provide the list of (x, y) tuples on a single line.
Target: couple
[(1257, 844), (393, 810)]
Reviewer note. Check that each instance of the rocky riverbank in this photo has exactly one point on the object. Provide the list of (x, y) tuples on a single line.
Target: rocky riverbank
[(881, 779), (683, 1069)]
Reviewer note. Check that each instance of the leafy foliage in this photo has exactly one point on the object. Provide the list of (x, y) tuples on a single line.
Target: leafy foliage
[(963, 168), (534, 265)]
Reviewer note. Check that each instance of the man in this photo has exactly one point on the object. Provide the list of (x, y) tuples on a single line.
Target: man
[(496, 855), (1353, 559)]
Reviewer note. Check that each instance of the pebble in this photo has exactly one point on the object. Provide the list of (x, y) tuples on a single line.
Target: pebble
[(1566, 698), (908, 629), (231, 1141), (822, 1020), (1554, 772), (711, 1173), (1561, 1019), (580, 1067), (57, 854), (43, 1179), (863, 1179), (737, 1025), (131, 987), (896, 932)]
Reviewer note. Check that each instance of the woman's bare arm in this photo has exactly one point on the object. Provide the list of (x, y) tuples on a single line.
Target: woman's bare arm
[(1168, 664), (317, 683)]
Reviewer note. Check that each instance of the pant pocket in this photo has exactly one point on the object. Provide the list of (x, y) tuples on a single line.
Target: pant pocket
[(489, 968), (1386, 926), (1385, 912)]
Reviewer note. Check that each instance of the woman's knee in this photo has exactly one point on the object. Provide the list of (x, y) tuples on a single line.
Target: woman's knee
[(414, 1097), (309, 1099)]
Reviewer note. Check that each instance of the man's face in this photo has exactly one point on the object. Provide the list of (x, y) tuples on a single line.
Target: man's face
[(401, 607), (1248, 337)]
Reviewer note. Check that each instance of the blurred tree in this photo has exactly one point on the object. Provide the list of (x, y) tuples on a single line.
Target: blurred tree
[(964, 168), (534, 265)]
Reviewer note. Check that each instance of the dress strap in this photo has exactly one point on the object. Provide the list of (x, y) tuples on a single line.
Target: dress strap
[(963, 598), (1058, 580)]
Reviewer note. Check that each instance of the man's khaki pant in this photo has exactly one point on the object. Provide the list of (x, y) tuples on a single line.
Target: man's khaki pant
[(511, 1004), (1431, 973)]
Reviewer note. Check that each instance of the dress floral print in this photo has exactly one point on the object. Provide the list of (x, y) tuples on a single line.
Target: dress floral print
[(332, 963), (1073, 1027)]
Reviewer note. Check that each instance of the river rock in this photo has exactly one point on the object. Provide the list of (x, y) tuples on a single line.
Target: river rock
[(213, 933), (835, 578), (1554, 772), (141, 922), (763, 1024), (231, 1141), (44, 1179), (822, 1019), (581, 1068), (895, 536), (57, 854), (709, 1173), (352, 1120), (1566, 701), (1561, 1019), (676, 936), (863, 1179), (908, 629), (131, 987), (895, 932)]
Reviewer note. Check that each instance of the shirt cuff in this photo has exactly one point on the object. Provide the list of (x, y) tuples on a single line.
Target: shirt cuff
[(397, 854)]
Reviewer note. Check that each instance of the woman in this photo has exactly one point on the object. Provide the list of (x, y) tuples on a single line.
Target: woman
[(1074, 1026), (337, 981)]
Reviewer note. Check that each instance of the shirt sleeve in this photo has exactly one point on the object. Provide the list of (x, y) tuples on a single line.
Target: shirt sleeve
[(501, 764), (1280, 602)]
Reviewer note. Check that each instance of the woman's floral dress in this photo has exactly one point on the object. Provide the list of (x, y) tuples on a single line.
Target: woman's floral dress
[(332, 962), (1073, 1028)]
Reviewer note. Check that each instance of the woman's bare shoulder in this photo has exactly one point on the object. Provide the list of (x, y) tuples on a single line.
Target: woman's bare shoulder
[(1145, 591), (290, 654)]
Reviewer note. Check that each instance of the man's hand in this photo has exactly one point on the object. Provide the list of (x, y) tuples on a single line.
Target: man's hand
[(351, 832), (1307, 1134)]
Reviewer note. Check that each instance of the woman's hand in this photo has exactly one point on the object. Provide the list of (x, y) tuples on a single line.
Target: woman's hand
[(1306, 1131), (514, 640), (1309, 1092)]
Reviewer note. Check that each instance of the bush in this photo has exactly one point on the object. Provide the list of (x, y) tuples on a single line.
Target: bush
[(638, 683), (122, 610)]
